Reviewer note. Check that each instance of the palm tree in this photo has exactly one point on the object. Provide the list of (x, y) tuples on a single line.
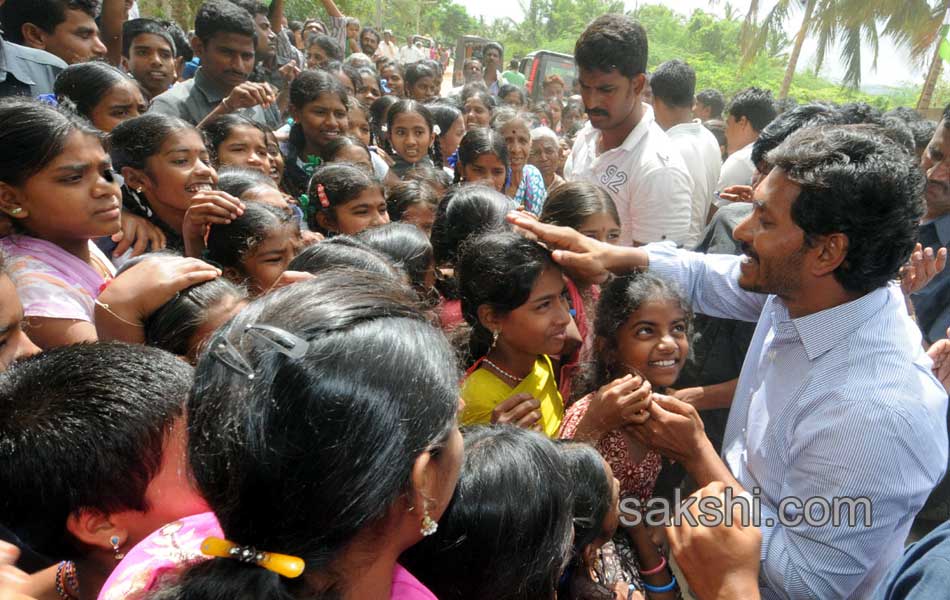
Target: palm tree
[(849, 21), (929, 40)]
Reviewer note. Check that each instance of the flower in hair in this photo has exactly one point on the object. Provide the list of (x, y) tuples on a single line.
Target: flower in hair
[(437, 130)]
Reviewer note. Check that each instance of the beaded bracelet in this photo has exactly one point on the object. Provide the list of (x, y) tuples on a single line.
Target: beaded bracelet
[(657, 568), (659, 589)]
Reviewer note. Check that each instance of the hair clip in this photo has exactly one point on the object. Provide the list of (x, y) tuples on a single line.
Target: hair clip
[(322, 195), (280, 340), (436, 129), (282, 564), (232, 358)]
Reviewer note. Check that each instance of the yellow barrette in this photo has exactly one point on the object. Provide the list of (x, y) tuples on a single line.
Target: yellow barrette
[(282, 564)]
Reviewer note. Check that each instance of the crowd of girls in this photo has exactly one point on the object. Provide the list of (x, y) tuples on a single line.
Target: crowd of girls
[(261, 307)]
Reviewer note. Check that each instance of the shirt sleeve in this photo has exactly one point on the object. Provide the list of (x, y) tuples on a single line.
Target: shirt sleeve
[(662, 209), (878, 474), (337, 30), (709, 281), (163, 105), (45, 295)]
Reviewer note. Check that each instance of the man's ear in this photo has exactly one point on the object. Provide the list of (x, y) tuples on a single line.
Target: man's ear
[(95, 529), (833, 251), (33, 36), (198, 46)]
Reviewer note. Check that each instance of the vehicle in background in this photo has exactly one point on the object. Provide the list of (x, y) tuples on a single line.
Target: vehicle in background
[(426, 42), (468, 46), (543, 63)]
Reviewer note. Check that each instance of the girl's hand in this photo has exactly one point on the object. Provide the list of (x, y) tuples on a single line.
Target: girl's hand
[(13, 581), (133, 296), (620, 402), (207, 209), (737, 193), (139, 234), (521, 410)]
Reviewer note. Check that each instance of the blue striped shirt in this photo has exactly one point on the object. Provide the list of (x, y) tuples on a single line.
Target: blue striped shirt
[(837, 404)]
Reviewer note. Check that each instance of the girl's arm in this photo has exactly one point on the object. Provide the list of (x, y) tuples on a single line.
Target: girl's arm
[(649, 558), (49, 333), (709, 397), (112, 17)]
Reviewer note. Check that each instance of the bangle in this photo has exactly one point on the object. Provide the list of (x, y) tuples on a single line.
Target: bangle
[(655, 569), (224, 103), (659, 589), (106, 308)]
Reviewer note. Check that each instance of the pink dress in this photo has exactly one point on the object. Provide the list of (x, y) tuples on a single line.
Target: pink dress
[(178, 544)]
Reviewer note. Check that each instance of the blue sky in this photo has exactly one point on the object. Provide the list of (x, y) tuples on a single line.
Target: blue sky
[(894, 65)]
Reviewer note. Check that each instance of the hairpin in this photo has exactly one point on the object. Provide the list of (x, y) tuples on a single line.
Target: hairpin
[(275, 338), (436, 129), (282, 564), (322, 195)]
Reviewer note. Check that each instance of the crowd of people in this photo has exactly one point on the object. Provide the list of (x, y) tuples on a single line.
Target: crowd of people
[(284, 316)]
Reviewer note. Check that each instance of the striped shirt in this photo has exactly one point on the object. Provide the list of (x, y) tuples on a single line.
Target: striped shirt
[(839, 403)]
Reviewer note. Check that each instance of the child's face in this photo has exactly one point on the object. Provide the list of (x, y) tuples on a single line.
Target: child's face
[(352, 30), (121, 103), (363, 212), (518, 140), (267, 261), (152, 62), (14, 343), (476, 113), (450, 139), (411, 136), (276, 159), (601, 227), (75, 197), (424, 89), (245, 147), (359, 126), (322, 120), (487, 169), (539, 326), (180, 171), (391, 74), (422, 215), (654, 341)]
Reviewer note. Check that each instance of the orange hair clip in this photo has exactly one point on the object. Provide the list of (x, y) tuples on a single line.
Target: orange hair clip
[(282, 564)]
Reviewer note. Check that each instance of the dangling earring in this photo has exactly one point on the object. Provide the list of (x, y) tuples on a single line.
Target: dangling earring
[(494, 339), (429, 526), (114, 540), (16, 211)]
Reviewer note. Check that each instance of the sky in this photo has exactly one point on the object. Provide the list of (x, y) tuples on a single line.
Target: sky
[(894, 65)]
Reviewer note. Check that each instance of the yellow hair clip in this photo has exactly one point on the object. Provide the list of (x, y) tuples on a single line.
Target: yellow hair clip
[(282, 564)]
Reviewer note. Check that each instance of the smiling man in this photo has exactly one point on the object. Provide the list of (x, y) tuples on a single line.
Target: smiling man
[(836, 398), (225, 41), (622, 149), (66, 28)]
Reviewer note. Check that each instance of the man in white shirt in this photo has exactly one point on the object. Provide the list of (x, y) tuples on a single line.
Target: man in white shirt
[(674, 83), (748, 114), (411, 53), (621, 148), (387, 47)]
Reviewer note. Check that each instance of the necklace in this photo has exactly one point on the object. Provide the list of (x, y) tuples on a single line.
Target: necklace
[(67, 585), (502, 371)]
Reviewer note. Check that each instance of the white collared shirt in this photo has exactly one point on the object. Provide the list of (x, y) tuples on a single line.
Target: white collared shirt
[(646, 178), (700, 152), (737, 170)]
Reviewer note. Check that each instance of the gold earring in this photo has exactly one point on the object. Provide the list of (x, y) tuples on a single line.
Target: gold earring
[(429, 526), (114, 540)]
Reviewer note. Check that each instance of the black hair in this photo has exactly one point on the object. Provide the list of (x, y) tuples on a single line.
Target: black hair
[(718, 129), (230, 243), (341, 182), (407, 194), (674, 82), (136, 27), (506, 535), (463, 212), (306, 88), (406, 106), (353, 74), (329, 45), (237, 181), (416, 71), (434, 176), (340, 142), (134, 141), (477, 90), (45, 14), (923, 131), (496, 46), (366, 30), (592, 493), (573, 202), (755, 104), (855, 181), (509, 89), (254, 7), (32, 134), (499, 270), (444, 115), (905, 114), (897, 130), (714, 100), (222, 16), (408, 248), (787, 123), (220, 128), (479, 141), (343, 252), (182, 45), (83, 86), (377, 116), (435, 65), (613, 42), (172, 327), (304, 431), (295, 25), (859, 113), (83, 427)]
